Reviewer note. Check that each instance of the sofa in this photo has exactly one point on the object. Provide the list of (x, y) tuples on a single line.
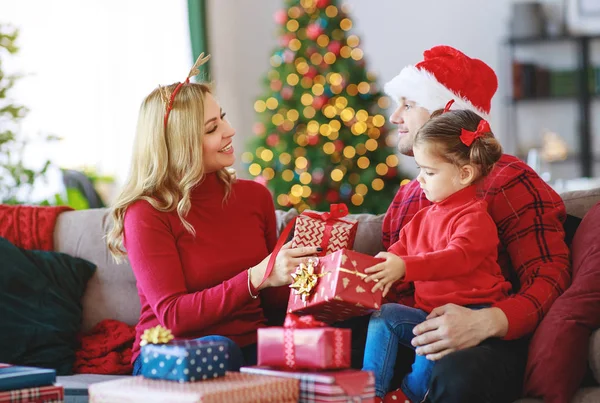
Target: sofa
[(111, 293)]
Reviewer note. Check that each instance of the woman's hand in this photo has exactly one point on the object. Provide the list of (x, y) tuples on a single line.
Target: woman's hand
[(286, 262), (386, 273)]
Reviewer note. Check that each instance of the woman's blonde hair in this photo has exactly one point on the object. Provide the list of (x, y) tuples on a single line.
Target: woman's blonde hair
[(167, 160)]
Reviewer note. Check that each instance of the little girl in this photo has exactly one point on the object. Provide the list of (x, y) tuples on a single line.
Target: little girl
[(449, 250)]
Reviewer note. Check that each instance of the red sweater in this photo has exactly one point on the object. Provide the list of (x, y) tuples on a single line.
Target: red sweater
[(532, 254), (450, 251), (198, 285)]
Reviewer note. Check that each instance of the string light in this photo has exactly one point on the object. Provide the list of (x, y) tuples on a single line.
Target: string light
[(325, 130), (292, 25), (323, 40), (294, 12), (331, 11), (287, 125), (374, 133), (294, 45), (259, 150), (361, 149), (378, 120), (309, 112), (294, 199), (333, 135), (292, 79), (316, 59), (363, 162), (301, 162), (349, 152), (377, 184), (306, 191), (260, 106), (335, 79), (329, 58), (285, 158), (337, 175), (361, 189), (335, 125), (306, 82), (357, 199), (293, 115), (356, 54), (364, 88), (346, 52), (346, 24), (404, 182), (276, 61), (287, 175), (296, 190), (329, 148), (305, 178), (306, 99), (371, 145), (381, 169), (272, 103), (268, 173), (266, 155), (362, 115), (347, 114), (273, 75), (391, 160), (353, 41), (383, 102), (318, 89), (341, 103), (352, 90), (283, 200), (254, 169), (302, 67), (312, 127)]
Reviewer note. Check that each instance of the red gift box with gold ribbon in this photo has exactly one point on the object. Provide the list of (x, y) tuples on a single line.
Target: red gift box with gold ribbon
[(329, 230), (333, 289), (304, 343)]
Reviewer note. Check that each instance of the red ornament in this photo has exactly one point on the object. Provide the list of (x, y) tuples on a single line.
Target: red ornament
[(332, 196), (339, 145), (280, 16), (286, 93), (322, 3), (315, 198), (392, 172), (258, 129), (319, 101), (313, 140), (284, 40), (288, 56), (272, 140), (311, 73), (313, 31), (276, 85), (334, 47)]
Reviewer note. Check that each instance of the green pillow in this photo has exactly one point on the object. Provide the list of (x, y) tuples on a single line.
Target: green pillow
[(40, 306)]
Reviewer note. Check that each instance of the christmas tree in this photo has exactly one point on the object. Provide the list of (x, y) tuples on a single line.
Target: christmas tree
[(321, 137)]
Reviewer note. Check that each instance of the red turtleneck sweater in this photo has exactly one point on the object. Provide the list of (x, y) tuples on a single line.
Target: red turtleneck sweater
[(451, 250), (198, 285)]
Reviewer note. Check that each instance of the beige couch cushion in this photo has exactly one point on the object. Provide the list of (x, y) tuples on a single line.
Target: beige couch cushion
[(111, 292)]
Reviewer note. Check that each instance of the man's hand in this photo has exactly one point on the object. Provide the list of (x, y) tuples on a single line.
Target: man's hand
[(386, 273), (451, 328)]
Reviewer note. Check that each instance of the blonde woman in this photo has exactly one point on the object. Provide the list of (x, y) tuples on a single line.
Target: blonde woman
[(197, 238)]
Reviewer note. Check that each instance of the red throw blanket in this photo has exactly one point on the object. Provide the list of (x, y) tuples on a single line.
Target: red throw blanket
[(106, 349), (29, 227)]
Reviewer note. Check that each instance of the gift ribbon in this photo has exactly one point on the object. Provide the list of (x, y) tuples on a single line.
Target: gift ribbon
[(295, 322), (336, 212), (335, 215)]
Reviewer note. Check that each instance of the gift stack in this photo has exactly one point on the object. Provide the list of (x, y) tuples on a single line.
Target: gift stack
[(29, 385), (190, 371), (316, 355)]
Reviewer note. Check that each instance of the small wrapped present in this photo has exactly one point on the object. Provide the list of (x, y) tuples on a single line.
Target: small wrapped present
[(304, 343), (39, 394), (329, 230), (182, 360), (331, 386), (234, 387), (332, 288)]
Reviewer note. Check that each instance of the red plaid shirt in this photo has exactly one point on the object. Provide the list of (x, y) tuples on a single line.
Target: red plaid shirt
[(532, 251)]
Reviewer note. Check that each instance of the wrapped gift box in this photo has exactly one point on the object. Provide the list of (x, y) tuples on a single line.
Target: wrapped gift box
[(340, 292), (304, 344), (234, 387), (329, 230), (185, 360), (20, 377), (331, 386), (42, 394)]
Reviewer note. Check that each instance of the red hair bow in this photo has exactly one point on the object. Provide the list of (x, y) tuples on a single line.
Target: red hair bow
[(468, 137)]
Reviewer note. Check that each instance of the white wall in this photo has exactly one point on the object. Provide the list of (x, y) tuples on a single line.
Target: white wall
[(89, 64)]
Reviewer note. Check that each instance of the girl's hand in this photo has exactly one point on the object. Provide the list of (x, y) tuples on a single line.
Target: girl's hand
[(386, 273)]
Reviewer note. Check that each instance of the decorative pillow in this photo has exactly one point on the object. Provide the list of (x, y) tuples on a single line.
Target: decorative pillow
[(40, 308), (558, 351)]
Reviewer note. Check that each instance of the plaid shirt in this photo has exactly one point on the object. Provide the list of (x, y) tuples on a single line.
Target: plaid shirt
[(532, 252)]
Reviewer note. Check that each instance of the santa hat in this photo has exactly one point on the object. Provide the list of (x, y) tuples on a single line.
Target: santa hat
[(444, 74)]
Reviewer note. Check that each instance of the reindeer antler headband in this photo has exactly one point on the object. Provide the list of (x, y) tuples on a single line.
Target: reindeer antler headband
[(168, 100)]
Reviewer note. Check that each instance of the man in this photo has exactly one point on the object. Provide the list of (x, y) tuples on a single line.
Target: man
[(480, 354)]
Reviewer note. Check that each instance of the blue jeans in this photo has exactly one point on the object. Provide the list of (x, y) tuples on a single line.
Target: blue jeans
[(238, 357), (389, 327)]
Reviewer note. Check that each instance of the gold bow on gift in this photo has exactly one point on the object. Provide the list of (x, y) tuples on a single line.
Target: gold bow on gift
[(305, 278), (156, 335)]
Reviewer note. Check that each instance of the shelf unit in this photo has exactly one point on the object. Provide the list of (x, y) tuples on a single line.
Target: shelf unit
[(583, 97)]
